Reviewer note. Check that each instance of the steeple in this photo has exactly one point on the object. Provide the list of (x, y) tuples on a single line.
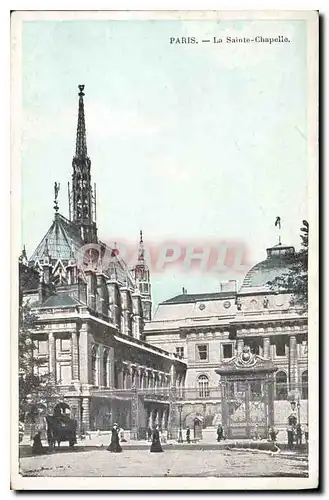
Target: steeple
[(83, 209), (141, 274), (141, 256), (81, 141), (23, 257)]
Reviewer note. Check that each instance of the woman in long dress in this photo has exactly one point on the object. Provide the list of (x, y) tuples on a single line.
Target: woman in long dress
[(114, 446), (156, 445)]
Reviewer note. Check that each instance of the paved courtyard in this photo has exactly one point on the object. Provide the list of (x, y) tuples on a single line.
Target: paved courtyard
[(218, 463)]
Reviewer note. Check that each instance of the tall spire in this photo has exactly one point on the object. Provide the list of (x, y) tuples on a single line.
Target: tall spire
[(141, 274), (83, 201), (141, 251), (81, 141)]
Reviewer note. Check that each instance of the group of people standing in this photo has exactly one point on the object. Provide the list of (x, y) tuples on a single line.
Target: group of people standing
[(295, 435)]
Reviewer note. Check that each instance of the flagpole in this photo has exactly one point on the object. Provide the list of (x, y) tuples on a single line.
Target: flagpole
[(278, 224)]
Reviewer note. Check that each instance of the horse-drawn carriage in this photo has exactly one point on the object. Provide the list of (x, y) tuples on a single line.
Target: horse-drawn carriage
[(56, 428)]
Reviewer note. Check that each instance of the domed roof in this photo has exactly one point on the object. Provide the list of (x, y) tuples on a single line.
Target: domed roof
[(278, 263)]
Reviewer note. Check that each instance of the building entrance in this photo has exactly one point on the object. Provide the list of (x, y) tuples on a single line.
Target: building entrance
[(247, 390)]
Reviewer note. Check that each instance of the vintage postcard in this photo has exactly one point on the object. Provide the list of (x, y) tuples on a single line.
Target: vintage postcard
[(164, 250)]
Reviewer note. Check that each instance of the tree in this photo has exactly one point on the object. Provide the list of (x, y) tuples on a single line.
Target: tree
[(295, 281), (33, 387)]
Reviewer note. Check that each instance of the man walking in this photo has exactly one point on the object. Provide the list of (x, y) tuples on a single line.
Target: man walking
[(290, 435), (219, 433), (188, 434)]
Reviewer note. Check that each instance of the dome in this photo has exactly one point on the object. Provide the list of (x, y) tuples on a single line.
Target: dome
[(278, 263)]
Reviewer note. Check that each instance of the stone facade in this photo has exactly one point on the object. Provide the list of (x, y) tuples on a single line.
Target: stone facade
[(207, 329), (91, 310)]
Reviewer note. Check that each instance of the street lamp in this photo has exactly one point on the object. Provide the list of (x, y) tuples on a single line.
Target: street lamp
[(293, 405), (180, 436), (81, 412), (298, 409)]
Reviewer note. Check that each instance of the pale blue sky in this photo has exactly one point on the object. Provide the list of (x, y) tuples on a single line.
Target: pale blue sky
[(186, 141)]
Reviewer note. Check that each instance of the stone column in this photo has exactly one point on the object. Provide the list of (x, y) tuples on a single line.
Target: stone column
[(129, 377), (164, 419), (86, 414), (75, 356), (267, 347), (173, 418), (52, 355), (100, 366), (137, 412), (173, 375), (150, 418), (240, 344), (84, 358), (292, 362)]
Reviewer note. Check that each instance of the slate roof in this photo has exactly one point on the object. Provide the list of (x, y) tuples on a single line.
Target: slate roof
[(62, 238), (198, 297), (63, 241), (60, 300)]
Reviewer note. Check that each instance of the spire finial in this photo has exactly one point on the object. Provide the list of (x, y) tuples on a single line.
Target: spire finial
[(23, 257), (81, 142), (141, 248), (56, 190)]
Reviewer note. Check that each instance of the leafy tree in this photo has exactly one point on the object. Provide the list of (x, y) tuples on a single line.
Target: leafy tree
[(33, 387), (295, 281)]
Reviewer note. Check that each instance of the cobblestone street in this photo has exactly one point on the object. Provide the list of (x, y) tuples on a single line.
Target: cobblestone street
[(220, 463)]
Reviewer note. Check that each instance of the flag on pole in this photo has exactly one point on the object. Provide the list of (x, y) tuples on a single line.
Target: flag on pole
[(278, 222)]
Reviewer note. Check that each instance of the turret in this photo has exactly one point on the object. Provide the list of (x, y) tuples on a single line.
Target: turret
[(141, 274)]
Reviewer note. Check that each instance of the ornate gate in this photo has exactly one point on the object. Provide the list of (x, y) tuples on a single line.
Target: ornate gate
[(247, 395)]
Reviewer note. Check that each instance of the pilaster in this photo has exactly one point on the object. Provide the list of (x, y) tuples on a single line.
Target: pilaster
[(75, 356)]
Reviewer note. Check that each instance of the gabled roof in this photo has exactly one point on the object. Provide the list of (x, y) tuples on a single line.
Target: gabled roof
[(62, 238), (197, 297)]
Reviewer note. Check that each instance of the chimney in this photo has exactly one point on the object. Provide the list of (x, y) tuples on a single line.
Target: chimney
[(228, 286), (42, 292)]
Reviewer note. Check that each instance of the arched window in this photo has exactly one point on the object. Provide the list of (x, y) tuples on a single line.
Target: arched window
[(281, 389), (94, 365), (105, 369), (116, 376), (203, 382), (305, 385)]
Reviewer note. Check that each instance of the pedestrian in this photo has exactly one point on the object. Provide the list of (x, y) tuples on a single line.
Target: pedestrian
[(156, 445), (114, 446), (290, 435), (149, 434), (122, 436), (306, 433), (37, 447), (273, 433), (219, 432), (188, 434), (299, 434)]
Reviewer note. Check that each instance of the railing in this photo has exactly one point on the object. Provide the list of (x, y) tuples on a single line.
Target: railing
[(231, 390)]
